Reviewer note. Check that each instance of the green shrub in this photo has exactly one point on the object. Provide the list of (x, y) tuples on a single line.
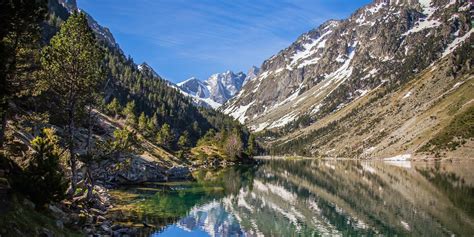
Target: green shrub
[(454, 135), (42, 180)]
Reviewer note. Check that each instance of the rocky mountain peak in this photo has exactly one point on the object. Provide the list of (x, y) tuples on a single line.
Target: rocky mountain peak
[(251, 74), (147, 69), (70, 5), (102, 33), (214, 91)]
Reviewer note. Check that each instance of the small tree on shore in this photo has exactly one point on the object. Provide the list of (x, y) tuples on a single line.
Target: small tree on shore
[(233, 145), (183, 141), (142, 122), (251, 145), (129, 113)]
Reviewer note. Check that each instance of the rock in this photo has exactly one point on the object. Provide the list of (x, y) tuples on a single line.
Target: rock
[(105, 228), (45, 233), (178, 172), (57, 212), (101, 219), (88, 230), (123, 232), (137, 171), (97, 211), (29, 203), (115, 227)]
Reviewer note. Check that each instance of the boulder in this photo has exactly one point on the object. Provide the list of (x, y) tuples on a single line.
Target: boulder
[(178, 172)]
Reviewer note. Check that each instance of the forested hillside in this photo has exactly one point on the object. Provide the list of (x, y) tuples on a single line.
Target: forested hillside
[(78, 115)]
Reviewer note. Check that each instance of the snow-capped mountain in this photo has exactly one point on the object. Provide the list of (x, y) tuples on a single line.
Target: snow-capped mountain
[(214, 91), (328, 71)]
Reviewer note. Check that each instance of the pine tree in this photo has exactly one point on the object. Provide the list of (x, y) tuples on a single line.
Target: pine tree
[(122, 142), (183, 141), (129, 113), (72, 68), (43, 180), (152, 125), (19, 47), (114, 107), (142, 122), (251, 145), (165, 136)]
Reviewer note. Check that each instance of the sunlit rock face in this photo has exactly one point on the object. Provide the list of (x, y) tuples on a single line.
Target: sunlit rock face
[(384, 43), (102, 33)]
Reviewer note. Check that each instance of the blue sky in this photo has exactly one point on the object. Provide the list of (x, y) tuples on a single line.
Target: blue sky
[(184, 38)]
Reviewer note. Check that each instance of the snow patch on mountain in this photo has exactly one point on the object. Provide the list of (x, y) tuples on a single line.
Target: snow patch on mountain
[(239, 112), (456, 43), (308, 49)]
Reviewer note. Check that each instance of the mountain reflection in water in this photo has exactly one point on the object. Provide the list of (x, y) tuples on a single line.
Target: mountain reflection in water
[(308, 198)]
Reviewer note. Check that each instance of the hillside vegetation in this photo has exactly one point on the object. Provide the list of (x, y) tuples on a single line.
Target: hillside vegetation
[(78, 117)]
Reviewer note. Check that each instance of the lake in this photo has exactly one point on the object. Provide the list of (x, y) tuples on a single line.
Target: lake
[(308, 198)]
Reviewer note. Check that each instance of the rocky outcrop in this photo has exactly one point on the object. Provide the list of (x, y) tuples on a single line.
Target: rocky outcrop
[(102, 33), (136, 170), (251, 74)]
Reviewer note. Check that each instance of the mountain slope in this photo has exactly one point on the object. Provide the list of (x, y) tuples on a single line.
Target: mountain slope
[(345, 59), (334, 66), (387, 123)]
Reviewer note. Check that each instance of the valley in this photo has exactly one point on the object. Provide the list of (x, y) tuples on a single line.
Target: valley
[(363, 125)]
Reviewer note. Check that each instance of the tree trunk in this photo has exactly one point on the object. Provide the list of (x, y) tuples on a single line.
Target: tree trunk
[(89, 178), (72, 156), (90, 184)]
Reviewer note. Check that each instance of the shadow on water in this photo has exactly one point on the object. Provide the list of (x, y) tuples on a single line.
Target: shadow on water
[(308, 198)]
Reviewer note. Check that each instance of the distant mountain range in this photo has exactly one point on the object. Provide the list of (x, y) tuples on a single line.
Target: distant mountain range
[(218, 88)]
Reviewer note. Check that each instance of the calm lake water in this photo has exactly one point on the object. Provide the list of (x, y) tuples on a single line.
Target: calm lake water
[(309, 198)]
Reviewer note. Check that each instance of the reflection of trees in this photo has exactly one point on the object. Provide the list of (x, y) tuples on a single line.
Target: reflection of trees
[(161, 205), (454, 187), (354, 198)]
